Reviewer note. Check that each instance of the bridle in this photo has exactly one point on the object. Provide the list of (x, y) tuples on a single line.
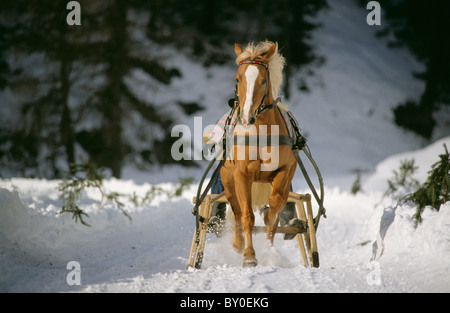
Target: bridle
[(262, 107)]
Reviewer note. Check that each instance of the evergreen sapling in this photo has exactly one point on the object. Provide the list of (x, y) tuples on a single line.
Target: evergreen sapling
[(436, 189)]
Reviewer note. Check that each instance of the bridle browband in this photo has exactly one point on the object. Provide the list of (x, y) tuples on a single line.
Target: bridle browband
[(261, 108), (255, 62)]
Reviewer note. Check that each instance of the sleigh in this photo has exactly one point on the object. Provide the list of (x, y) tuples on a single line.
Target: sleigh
[(304, 229), (258, 147)]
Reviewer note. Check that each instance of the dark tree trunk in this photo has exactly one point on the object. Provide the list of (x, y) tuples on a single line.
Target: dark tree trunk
[(112, 130)]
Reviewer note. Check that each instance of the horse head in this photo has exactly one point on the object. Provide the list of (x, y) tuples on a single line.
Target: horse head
[(253, 84)]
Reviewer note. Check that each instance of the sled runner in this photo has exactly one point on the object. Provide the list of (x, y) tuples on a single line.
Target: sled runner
[(257, 145)]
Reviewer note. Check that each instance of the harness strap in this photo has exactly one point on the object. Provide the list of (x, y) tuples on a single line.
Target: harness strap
[(242, 140), (262, 109)]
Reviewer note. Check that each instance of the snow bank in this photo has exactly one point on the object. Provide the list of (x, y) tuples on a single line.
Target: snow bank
[(423, 158), (37, 242), (419, 257), (421, 252)]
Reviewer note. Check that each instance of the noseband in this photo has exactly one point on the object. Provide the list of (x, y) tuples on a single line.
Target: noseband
[(261, 108)]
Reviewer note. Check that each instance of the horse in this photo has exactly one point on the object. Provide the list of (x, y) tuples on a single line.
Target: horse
[(252, 180)]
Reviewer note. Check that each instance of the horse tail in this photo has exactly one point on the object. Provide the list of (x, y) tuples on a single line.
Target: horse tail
[(260, 195)]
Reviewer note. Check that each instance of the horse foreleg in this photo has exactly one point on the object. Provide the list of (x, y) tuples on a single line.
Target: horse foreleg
[(228, 183), (271, 217), (238, 239), (243, 192), (277, 201)]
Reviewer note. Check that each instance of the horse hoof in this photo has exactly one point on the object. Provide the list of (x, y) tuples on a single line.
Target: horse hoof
[(216, 226), (250, 263), (295, 222)]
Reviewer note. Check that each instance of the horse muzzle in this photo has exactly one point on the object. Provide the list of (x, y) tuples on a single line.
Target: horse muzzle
[(247, 121)]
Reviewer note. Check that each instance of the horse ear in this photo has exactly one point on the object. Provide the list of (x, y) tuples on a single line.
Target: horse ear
[(270, 51), (237, 49)]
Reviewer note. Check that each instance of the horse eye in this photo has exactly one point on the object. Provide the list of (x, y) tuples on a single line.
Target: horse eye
[(263, 82)]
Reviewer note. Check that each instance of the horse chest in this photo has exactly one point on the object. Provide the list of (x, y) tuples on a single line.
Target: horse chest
[(254, 171)]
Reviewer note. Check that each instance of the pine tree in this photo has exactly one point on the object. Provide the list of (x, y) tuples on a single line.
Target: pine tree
[(422, 27), (357, 186), (436, 189), (403, 179), (45, 122), (71, 86), (80, 98), (116, 103), (210, 28)]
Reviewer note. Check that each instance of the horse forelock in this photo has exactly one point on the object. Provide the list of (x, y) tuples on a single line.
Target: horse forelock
[(276, 62)]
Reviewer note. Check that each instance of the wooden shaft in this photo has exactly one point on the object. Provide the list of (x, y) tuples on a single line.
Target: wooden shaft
[(314, 255), (300, 242)]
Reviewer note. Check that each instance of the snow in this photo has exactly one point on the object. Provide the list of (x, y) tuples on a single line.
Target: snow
[(150, 253), (366, 244)]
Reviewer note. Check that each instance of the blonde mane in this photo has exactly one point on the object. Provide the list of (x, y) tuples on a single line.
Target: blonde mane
[(276, 62)]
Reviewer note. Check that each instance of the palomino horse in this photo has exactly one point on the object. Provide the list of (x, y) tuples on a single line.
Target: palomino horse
[(249, 173)]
